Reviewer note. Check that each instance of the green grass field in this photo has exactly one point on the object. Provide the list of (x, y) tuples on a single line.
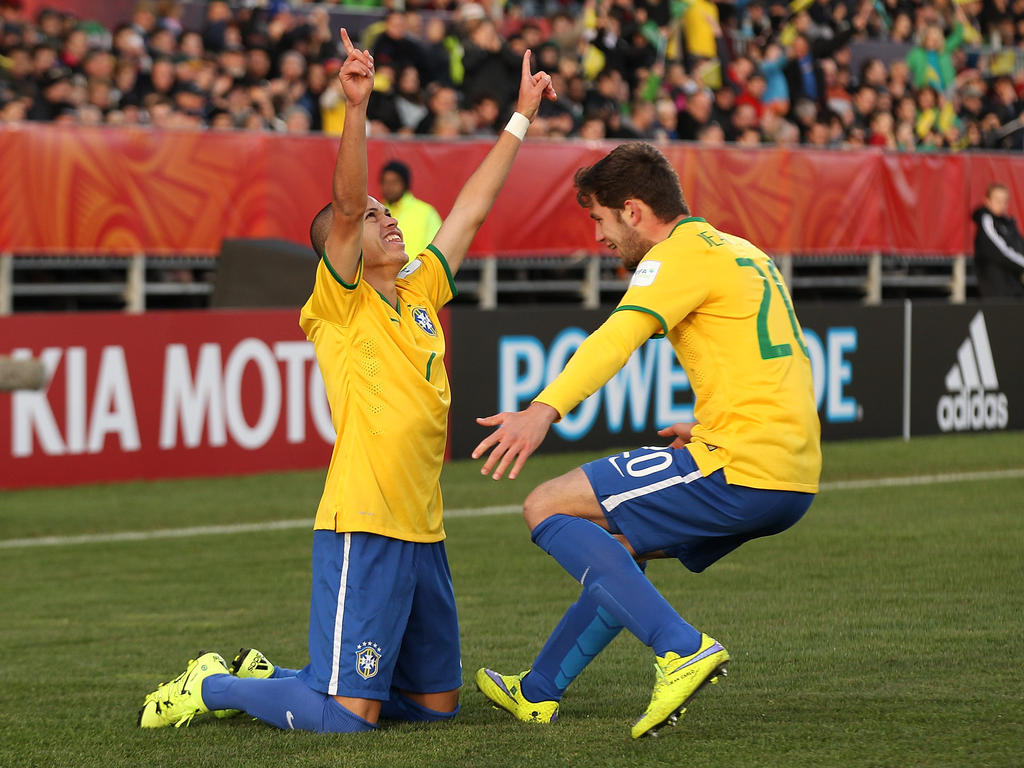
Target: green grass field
[(883, 630)]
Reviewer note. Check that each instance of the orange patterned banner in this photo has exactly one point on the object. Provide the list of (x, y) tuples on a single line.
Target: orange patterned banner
[(120, 191)]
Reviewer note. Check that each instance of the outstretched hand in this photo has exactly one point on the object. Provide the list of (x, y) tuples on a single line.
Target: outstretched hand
[(533, 88), (681, 431), (356, 74), (517, 436)]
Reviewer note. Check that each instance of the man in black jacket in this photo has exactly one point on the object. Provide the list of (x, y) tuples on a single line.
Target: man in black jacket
[(998, 247)]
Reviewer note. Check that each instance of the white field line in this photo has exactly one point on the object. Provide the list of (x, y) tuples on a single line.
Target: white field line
[(506, 509)]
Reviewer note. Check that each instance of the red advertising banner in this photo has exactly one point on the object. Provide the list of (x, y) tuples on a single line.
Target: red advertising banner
[(108, 12), (121, 191), (164, 394)]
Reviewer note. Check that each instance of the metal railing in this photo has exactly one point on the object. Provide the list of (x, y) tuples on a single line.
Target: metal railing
[(140, 282), (130, 283)]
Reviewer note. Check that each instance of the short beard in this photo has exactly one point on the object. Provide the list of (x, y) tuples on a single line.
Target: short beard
[(632, 249)]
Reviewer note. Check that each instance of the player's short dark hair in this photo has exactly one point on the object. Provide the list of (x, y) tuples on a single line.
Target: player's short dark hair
[(636, 170), (399, 168), (320, 228)]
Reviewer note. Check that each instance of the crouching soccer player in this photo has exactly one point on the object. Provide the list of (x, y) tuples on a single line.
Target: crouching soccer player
[(749, 467), (383, 630)]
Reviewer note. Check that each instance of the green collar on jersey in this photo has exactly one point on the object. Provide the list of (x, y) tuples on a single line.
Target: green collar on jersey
[(687, 220)]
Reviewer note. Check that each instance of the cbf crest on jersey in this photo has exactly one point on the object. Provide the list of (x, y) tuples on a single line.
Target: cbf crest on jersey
[(367, 658), (422, 318)]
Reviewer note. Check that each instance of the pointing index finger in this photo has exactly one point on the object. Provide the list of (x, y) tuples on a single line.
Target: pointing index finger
[(346, 41), (526, 63)]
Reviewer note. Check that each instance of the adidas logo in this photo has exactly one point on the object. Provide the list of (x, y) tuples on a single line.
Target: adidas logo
[(974, 401)]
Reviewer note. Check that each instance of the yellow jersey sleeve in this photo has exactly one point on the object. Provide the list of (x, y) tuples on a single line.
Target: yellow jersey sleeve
[(429, 275), (598, 358), (332, 298)]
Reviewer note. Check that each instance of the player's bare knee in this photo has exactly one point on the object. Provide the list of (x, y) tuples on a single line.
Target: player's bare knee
[(538, 507)]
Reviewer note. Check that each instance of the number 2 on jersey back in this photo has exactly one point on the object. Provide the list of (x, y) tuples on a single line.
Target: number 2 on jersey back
[(770, 351)]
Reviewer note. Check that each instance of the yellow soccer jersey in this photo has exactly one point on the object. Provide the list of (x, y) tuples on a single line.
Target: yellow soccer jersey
[(383, 368), (724, 308)]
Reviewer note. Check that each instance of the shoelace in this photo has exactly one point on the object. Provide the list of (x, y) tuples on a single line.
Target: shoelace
[(186, 719), (167, 693)]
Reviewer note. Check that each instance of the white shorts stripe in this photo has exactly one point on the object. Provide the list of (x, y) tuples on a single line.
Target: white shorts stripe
[(613, 501), (339, 619)]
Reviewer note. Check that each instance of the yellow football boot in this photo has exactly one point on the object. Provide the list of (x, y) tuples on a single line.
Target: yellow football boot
[(505, 692), (677, 680), (177, 702)]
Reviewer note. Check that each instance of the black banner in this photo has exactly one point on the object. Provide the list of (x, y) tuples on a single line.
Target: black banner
[(499, 360), (967, 368)]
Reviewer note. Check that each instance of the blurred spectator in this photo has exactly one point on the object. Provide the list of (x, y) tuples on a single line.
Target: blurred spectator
[(701, 30), (395, 48), (409, 101), (998, 247), (931, 62), (776, 89), (803, 71), (419, 220), (711, 135), (695, 117), (54, 95), (481, 119), (491, 67), (441, 101)]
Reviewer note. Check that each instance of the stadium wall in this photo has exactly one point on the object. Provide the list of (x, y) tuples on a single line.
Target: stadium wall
[(127, 191), (192, 393)]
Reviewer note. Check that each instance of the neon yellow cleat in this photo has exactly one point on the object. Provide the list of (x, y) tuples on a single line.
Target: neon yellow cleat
[(248, 662), (177, 702), (677, 681), (505, 692)]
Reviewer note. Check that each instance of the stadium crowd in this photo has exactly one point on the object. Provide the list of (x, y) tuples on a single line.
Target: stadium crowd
[(913, 75)]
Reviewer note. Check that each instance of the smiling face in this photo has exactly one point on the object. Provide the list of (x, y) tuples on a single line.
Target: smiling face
[(611, 229), (382, 239)]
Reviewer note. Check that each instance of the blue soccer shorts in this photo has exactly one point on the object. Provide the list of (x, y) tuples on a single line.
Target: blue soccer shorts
[(660, 501), (382, 615)]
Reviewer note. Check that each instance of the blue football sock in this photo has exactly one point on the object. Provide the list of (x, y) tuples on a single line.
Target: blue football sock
[(400, 707), (606, 570), (584, 631), (287, 703)]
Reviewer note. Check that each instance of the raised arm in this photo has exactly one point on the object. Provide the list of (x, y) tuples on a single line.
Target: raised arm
[(480, 191), (348, 188)]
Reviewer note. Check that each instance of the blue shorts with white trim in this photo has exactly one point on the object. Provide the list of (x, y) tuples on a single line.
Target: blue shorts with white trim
[(382, 615), (660, 501)]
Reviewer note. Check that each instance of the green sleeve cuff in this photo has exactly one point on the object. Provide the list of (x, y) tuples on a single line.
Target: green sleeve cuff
[(336, 276), (447, 270), (652, 313)]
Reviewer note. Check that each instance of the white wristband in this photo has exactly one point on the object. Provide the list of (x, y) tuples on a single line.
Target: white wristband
[(518, 124)]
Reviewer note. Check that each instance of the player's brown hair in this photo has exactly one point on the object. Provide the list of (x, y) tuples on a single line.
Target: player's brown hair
[(636, 170)]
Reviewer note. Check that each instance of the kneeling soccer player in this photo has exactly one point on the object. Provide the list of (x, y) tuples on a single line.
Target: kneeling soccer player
[(383, 629)]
